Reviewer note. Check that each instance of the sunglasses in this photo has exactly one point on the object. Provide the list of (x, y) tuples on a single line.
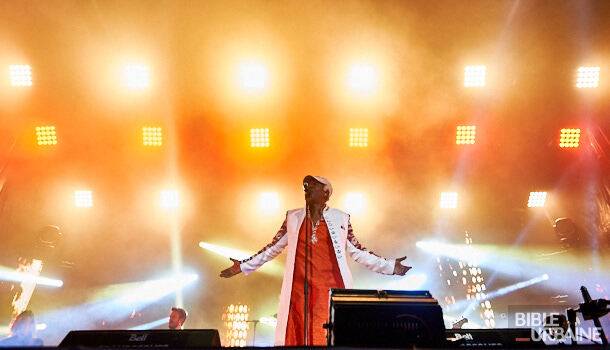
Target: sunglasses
[(307, 185)]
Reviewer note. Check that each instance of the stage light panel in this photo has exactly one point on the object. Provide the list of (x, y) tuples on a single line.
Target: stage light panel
[(253, 76), (569, 138), (587, 77), (536, 200), (354, 202), (46, 135), (259, 138), (21, 75), (466, 135), (358, 137), (169, 199), (363, 78), (152, 136), (449, 200), (136, 76), (474, 76), (269, 202), (83, 199), (235, 319)]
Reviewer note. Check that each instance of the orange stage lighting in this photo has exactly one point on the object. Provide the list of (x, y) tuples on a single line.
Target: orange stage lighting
[(152, 136), (363, 78), (569, 138), (466, 135), (136, 76), (536, 200), (169, 199), (21, 75), (269, 202), (259, 138), (46, 135), (354, 202), (83, 199), (358, 137), (587, 77), (474, 76), (252, 76), (449, 200), (235, 320)]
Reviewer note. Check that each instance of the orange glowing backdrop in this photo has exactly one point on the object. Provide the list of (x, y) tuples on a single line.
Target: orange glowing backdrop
[(143, 128)]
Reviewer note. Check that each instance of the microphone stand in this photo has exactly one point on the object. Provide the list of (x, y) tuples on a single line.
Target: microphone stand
[(590, 310), (255, 322), (306, 284), (593, 310)]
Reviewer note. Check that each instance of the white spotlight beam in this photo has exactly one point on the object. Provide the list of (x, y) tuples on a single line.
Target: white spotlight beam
[(517, 286), (271, 267), (7, 274), (150, 325), (114, 303), (470, 305), (5, 330)]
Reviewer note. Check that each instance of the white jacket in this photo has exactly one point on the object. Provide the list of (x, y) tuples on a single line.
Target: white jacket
[(344, 242)]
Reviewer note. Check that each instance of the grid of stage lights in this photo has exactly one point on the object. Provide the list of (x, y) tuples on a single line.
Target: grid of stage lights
[(169, 199), (235, 320), (449, 200), (253, 76), (259, 138), (447, 273), (83, 199), (472, 278), (474, 76), (269, 202), (136, 76), (362, 78), (46, 135), (465, 278), (587, 77), (21, 75), (536, 200), (466, 135), (569, 138), (152, 136), (354, 202), (359, 137)]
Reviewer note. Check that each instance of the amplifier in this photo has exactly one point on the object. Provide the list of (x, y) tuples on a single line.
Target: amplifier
[(494, 338), (384, 318), (187, 338)]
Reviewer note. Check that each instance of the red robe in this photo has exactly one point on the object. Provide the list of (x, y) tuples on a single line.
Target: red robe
[(324, 274)]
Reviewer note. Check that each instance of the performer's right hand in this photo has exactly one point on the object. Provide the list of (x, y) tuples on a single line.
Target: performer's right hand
[(231, 271)]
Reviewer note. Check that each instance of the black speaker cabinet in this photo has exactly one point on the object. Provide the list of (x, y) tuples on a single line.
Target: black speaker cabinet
[(187, 338), (387, 318)]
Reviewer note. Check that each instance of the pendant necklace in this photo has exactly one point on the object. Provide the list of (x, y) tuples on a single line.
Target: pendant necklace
[(314, 228)]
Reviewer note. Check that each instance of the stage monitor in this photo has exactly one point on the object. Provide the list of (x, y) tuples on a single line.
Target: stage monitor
[(185, 339), (386, 318)]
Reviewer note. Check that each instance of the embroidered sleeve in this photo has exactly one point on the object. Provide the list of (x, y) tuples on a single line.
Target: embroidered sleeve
[(276, 239), (365, 257), (269, 252), (352, 238)]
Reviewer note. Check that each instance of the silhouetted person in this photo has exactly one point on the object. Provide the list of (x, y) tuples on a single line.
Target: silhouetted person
[(22, 331)]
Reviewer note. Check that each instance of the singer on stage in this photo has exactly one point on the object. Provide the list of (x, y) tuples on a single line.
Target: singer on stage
[(323, 237)]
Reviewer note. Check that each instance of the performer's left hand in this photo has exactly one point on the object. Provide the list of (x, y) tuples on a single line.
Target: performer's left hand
[(400, 269)]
